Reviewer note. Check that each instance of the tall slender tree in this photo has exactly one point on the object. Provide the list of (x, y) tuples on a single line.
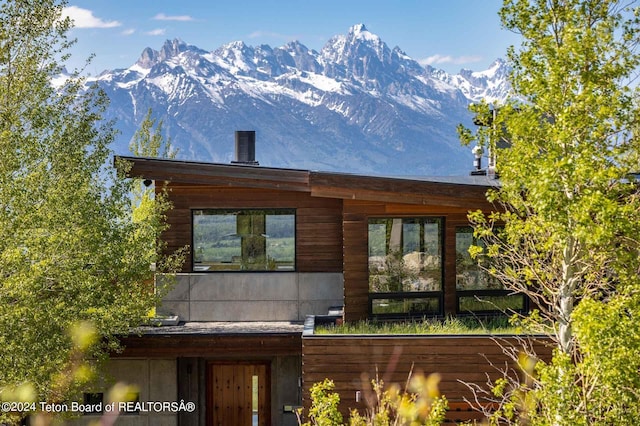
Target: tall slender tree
[(567, 230), (149, 140), (73, 248)]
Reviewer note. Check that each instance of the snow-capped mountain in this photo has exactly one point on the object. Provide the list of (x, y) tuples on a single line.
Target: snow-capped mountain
[(356, 106)]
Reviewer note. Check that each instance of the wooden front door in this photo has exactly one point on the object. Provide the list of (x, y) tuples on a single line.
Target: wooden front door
[(238, 394)]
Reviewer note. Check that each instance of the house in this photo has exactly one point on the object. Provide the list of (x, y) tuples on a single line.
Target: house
[(269, 247)]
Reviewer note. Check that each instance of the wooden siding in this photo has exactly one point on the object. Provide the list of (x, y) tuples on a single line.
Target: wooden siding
[(353, 361), (318, 220), (355, 243), (356, 266), (397, 190), (452, 221), (243, 345), (192, 172)]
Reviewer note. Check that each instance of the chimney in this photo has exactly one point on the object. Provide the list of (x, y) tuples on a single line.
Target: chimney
[(477, 161), (246, 148)]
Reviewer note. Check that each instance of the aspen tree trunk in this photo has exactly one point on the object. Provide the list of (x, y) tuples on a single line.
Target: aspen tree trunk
[(566, 296), (565, 305)]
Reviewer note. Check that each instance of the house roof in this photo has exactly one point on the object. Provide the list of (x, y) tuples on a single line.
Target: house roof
[(237, 328), (204, 339), (447, 190)]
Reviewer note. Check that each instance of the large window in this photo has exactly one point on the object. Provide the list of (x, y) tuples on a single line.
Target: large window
[(244, 240), (476, 289), (405, 266)]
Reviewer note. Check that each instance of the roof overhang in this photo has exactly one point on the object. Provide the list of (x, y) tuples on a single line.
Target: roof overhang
[(217, 174), (461, 191), (201, 339)]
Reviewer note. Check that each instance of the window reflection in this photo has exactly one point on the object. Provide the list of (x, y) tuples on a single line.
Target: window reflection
[(250, 240)]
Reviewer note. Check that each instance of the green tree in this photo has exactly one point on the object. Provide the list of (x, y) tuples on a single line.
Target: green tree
[(73, 248), (149, 140), (569, 205)]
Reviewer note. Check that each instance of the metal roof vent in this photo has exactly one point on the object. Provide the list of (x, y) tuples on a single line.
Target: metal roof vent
[(477, 161), (246, 147)]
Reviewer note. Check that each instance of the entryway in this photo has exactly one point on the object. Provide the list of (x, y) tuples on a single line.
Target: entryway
[(238, 393)]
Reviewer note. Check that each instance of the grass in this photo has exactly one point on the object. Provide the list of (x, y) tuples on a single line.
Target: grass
[(457, 325)]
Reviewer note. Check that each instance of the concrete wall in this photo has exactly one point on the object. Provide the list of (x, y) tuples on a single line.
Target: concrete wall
[(278, 296), (285, 387), (156, 381)]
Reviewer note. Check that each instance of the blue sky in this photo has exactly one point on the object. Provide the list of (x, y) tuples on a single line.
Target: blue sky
[(448, 34)]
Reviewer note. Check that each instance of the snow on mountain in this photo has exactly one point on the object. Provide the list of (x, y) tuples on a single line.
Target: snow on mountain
[(490, 85), (355, 106)]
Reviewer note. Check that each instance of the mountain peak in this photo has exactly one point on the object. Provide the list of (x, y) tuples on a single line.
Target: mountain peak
[(359, 55), (498, 68), (238, 45), (360, 32), (295, 45), (148, 58), (172, 48), (358, 28), (169, 49)]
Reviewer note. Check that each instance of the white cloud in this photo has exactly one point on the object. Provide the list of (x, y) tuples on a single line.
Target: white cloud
[(448, 59), (163, 17), (128, 32), (156, 32), (83, 18)]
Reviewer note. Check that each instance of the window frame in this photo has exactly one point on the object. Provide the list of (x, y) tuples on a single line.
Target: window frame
[(479, 293), (221, 211), (437, 296)]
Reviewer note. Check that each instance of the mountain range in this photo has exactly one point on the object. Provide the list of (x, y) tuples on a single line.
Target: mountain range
[(355, 106)]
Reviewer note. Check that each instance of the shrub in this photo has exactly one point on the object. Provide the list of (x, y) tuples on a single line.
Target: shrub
[(419, 404)]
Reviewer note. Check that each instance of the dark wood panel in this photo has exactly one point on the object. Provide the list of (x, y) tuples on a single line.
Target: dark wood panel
[(318, 221), (209, 345), (257, 198), (355, 207), (450, 300), (308, 229), (318, 263), (326, 246), (355, 266), (356, 257), (359, 299), (423, 198), (410, 209), (351, 361), (360, 277), (208, 173)]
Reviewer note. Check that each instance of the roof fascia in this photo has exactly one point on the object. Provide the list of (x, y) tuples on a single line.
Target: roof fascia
[(217, 174), (319, 184), (397, 190)]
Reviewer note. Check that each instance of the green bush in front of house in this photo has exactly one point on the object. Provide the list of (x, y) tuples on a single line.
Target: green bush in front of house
[(419, 404)]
